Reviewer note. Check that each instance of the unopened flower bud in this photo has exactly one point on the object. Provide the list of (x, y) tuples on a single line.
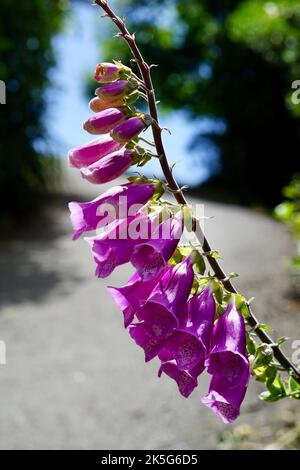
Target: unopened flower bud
[(108, 72), (108, 168), (129, 129), (89, 153), (96, 104), (117, 89), (104, 121)]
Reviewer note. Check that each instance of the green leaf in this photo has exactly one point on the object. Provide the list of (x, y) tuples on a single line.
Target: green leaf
[(264, 327), (271, 374), (267, 396), (251, 346), (199, 263), (176, 258), (282, 340), (218, 290), (294, 387)]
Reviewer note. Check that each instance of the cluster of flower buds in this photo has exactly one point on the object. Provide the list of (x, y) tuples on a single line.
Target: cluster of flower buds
[(117, 121), (170, 311)]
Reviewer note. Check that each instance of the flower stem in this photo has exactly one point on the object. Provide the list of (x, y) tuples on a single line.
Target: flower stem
[(145, 71)]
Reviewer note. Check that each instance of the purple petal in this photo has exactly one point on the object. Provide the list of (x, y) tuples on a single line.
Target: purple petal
[(86, 216), (150, 257), (143, 339), (174, 288), (186, 380), (158, 320), (132, 295), (223, 400), (227, 358), (186, 349)]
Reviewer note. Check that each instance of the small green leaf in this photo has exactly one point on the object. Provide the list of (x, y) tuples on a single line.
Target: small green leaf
[(251, 346), (264, 355), (267, 396), (199, 263), (282, 340), (264, 327), (176, 258), (294, 387)]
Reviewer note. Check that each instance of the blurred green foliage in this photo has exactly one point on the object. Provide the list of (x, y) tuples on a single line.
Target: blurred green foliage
[(289, 213), (26, 55), (232, 60)]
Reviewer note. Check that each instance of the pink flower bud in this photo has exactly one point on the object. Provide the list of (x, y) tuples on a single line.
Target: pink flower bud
[(104, 121), (92, 151), (128, 129), (108, 168), (108, 72), (116, 89)]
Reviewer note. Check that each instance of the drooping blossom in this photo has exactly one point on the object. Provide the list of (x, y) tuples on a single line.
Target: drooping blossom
[(152, 255), (158, 317), (108, 72), (86, 216), (189, 343), (225, 401), (104, 121), (109, 167), (129, 129), (130, 297), (89, 153), (186, 379), (227, 359), (114, 247)]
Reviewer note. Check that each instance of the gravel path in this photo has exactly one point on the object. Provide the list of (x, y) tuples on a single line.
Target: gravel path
[(74, 379)]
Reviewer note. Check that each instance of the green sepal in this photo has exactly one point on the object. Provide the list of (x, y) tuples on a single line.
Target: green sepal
[(218, 291), (199, 263), (264, 355)]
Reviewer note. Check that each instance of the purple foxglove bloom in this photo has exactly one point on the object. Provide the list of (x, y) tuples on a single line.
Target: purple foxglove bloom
[(114, 247), (167, 300), (89, 153), (190, 342), (227, 359), (116, 89), (132, 295), (108, 168), (104, 121), (150, 257), (186, 380), (145, 340), (128, 129), (86, 216), (223, 400), (96, 104), (108, 72)]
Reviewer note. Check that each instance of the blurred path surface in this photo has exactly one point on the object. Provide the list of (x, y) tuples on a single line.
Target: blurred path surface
[(74, 379)]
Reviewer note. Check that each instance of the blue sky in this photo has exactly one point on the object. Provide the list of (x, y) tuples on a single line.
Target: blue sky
[(78, 50)]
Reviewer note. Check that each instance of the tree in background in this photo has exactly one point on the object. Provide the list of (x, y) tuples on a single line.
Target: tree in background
[(236, 61), (26, 54), (289, 213)]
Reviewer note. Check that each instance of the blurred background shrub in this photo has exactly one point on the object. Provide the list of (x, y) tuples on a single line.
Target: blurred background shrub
[(26, 55), (289, 213), (234, 61)]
